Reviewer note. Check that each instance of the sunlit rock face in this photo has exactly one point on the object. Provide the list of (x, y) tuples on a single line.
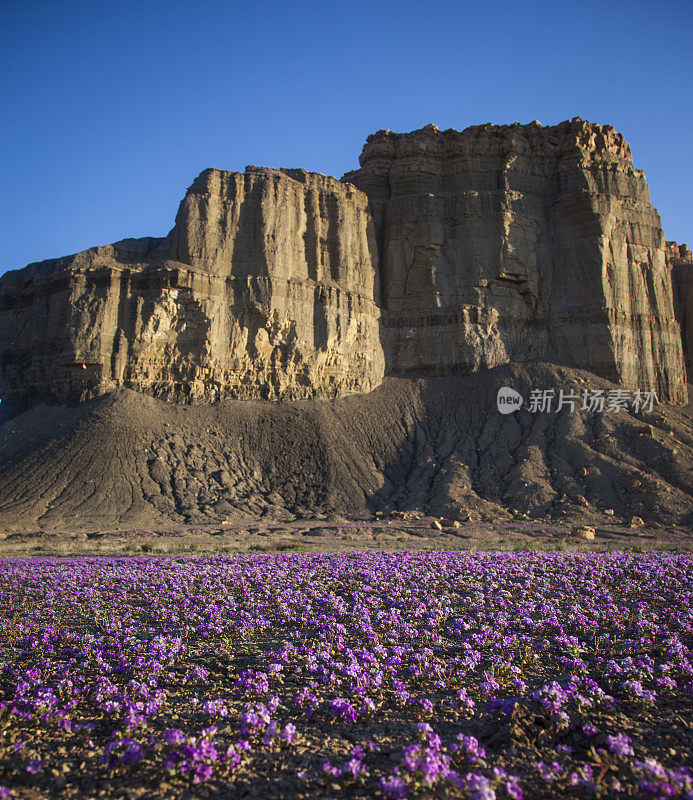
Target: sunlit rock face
[(265, 287), (446, 252), (520, 242)]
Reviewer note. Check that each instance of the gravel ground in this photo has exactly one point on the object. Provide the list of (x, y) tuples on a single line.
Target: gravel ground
[(343, 536)]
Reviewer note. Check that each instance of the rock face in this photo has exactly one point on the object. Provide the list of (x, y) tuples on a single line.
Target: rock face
[(265, 287), (519, 242), (681, 261), (497, 244)]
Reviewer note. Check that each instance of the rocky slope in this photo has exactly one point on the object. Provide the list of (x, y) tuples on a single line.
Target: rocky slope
[(436, 444), (265, 287), (519, 242)]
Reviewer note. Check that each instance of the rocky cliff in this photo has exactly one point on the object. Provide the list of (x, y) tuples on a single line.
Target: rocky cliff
[(520, 242), (681, 262), (265, 287), (491, 245)]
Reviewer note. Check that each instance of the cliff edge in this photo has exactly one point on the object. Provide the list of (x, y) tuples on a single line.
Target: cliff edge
[(681, 262)]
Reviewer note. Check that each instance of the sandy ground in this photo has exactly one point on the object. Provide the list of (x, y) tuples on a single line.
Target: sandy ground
[(342, 536)]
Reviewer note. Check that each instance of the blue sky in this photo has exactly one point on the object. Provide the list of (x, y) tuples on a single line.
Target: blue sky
[(110, 109)]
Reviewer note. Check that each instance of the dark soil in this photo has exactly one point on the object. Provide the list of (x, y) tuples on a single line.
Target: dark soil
[(439, 445)]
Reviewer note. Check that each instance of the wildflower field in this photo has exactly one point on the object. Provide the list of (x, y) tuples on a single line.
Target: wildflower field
[(408, 674)]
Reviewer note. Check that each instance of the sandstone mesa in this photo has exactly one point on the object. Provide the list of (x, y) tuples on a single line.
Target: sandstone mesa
[(445, 253)]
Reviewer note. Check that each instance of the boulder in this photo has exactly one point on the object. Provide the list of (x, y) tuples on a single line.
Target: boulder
[(584, 532)]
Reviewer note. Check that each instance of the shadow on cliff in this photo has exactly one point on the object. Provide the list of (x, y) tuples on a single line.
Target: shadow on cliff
[(454, 453)]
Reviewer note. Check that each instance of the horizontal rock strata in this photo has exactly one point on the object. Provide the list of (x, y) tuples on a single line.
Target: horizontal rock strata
[(445, 253), (264, 288), (520, 242)]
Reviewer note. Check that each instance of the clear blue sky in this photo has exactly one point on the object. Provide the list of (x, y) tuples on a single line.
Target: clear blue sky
[(110, 109)]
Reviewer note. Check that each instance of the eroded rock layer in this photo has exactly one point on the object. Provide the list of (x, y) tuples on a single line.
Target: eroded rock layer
[(264, 288), (492, 245), (520, 242)]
